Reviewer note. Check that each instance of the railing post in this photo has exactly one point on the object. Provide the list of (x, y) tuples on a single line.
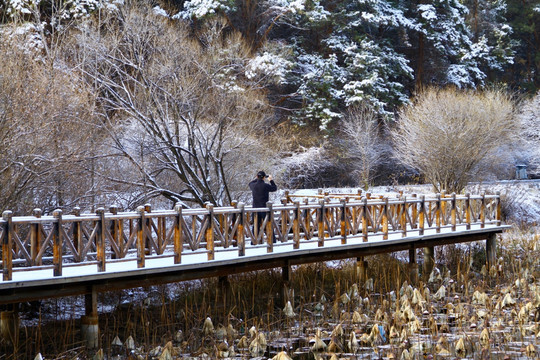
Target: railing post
[(116, 235), (210, 232), (364, 220), (178, 241), (100, 240), (422, 215), (256, 222), (240, 231), (343, 223), (77, 234), (270, 228), (327, 220), (307, 220), (453, 212), (131, 227), (443, 208), (320, 223), (296, 225), (35, 238), (414, 212), (141, 234), (57, 243), (230, 237), (483, 211), (161, 235), (7, 246), (223, 229), (438, 214), (287, 196), (284, 223), (403, 219), (468, 210), (385, 219), (148, 230), (354, 219), (498, 211)]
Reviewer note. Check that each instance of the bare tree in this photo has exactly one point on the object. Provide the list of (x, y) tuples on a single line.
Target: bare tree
[(45, 124), (364, 144), (177, 109), (452, 136)]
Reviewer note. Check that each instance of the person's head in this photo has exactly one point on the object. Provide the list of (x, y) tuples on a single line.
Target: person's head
[(261, 175)]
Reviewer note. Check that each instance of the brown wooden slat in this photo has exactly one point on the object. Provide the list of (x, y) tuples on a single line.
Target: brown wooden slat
[(21, 248), (69, 243)]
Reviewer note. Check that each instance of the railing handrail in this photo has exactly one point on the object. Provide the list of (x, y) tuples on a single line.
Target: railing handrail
[(103, 233), (30, 219)]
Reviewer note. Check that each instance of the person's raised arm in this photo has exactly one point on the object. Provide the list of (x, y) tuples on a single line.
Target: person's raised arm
[(272, 185)]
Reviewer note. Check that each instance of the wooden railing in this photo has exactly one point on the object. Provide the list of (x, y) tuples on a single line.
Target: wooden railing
[(60, 240)]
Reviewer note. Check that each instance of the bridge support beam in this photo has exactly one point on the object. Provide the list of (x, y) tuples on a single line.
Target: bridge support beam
[(9, 326), (491, 250), (89, 322), (413, 266), (429, 261)]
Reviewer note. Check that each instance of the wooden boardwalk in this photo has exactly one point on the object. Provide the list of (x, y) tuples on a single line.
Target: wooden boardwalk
[(63, 255)]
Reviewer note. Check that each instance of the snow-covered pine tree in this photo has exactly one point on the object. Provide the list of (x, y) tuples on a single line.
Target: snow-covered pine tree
[(353, 60), (370, 38), (450, 51), (491, 33)]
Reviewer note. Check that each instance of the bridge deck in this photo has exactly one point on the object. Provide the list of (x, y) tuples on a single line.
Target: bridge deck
[(81, 278)]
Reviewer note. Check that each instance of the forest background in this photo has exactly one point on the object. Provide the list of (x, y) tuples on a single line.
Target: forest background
[(128, 102)]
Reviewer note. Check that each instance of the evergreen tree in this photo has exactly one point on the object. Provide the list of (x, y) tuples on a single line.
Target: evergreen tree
[(491, 34), (446, 37), (524, 17), (353, 62)]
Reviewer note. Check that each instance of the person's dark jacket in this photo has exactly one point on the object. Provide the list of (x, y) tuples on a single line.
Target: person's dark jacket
[(260, 191)]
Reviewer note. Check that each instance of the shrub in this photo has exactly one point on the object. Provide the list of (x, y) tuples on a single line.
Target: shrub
[(454, 136)]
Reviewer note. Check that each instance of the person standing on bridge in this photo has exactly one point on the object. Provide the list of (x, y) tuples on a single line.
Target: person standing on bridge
[(261, 190)]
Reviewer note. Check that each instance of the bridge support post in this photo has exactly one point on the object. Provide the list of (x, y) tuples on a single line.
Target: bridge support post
[(89, 322), (491, 250), (285, 285), (361, 270), (9, 326), (413, 266), (224, 289), (429, 261)]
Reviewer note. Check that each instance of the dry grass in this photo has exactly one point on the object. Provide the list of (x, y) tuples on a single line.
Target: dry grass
[(481, 312)]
